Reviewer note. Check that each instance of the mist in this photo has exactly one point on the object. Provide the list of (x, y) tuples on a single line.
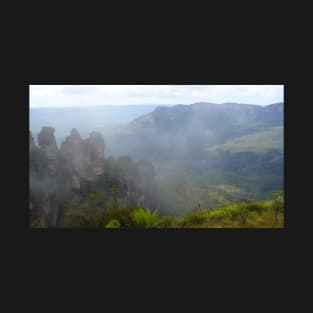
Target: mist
[(173, 159)]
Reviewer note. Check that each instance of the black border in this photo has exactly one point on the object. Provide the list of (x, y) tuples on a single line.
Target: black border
[(227, 243), (251, 45)]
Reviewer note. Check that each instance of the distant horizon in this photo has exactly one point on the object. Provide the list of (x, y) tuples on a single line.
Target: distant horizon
[(59, 96)]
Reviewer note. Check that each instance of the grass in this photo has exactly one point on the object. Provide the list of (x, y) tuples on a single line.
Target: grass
[(262, 214), (240, 215)]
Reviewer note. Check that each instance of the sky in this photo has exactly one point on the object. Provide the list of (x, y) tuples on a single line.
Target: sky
[(95, 95)]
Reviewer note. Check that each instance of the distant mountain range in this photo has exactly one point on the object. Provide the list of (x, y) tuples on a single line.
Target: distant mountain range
[(182, 129), (84, 119)]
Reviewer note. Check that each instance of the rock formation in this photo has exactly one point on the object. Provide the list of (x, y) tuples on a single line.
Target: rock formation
[(74, 154), (84, 158), (77, 160), (48, 148), (45, 204), (95, 146)]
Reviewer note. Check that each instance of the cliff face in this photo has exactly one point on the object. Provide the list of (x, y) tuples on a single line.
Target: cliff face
[(83, 158), (74, 155), (78, 158), (45, 204), (48, 148), (95, 146)]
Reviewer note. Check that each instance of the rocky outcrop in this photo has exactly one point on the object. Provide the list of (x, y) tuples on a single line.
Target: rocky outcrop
[(37, 161), (45, 204), (77, 161), (84, 158), (95, 146), (49, 149), (74, 154)]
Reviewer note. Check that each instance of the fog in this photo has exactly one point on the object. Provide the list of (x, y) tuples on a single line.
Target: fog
[(173, 159)]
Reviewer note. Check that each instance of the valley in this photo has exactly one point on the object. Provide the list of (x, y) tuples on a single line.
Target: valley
[(173, 159)]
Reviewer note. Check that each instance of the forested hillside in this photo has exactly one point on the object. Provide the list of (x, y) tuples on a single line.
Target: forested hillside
[(216, 153)]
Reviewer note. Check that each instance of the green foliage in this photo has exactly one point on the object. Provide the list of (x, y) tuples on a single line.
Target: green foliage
[(124, 216), (170, 222), (239, 215), (261, 142), (246, 215), (194, 218), (145, 219), (166, 222), (113, 224)]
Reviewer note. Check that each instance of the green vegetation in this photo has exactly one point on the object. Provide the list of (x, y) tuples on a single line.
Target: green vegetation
[(113, 224), (144, 219), (261, 142), (242, 215), (262, 214)]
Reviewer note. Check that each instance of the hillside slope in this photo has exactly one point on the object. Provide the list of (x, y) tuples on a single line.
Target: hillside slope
[(191, 129), (222, 152)]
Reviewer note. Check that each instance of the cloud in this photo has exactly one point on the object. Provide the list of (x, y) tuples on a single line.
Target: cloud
[(78, 89), (86, 95)]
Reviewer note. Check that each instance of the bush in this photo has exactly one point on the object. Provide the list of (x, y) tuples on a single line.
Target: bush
[(222, 214), (195, 218), (166, 221), (123, 215), (113, 224), (144, 219)]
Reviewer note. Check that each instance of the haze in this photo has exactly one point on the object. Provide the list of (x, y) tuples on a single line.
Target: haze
[(43, 96), (196, 156)]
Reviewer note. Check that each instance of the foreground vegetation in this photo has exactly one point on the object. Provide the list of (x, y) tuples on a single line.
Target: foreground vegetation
[(263, 214), (240, 215)]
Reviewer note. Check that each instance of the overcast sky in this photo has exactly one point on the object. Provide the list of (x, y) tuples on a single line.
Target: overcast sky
[(91, 95)]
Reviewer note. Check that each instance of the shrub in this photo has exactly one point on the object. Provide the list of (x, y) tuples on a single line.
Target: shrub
[(113, 224), (123, 215), (166, 221), (195, 218), (222, 214), (144, 219)]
